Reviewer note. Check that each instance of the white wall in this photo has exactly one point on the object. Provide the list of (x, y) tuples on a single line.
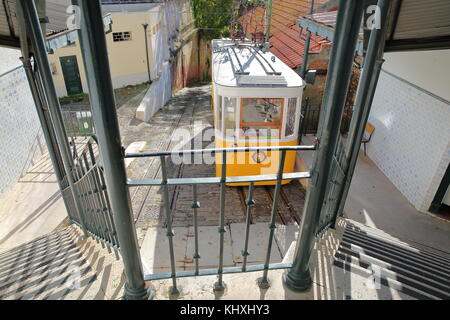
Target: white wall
[(411, 144), (429, 70), (157, 95), (9, 59)]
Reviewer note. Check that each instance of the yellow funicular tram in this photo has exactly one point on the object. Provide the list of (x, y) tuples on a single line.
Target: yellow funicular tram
[(256, 103)]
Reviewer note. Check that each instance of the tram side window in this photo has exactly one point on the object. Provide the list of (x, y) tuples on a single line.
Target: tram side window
[(261, 117), (229, 106), (291, 117), (219, 114)]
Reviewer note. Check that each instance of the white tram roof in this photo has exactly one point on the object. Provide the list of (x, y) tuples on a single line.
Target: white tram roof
[(245, 65)]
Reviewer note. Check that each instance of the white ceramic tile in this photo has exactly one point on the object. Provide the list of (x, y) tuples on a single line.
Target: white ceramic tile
[(411, 141)]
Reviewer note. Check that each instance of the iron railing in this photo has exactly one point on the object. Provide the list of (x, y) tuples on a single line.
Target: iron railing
[(90, 189), (334, 187), (223, 180), (310, 119)]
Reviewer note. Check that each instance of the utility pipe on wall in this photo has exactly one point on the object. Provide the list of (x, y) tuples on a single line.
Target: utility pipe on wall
[(145, 25)]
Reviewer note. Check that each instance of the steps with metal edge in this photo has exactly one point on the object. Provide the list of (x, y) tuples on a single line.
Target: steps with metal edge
[(415, 270)]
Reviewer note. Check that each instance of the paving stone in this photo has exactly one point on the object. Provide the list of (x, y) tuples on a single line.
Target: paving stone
[(209, 248), (257, 245), (155, 249)]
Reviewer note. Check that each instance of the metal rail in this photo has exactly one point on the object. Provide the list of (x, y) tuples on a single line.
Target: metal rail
[(213, 271), (220, 150)]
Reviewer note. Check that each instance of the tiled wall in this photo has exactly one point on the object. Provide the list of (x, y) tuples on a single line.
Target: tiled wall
[(19, 128), (411, 142)]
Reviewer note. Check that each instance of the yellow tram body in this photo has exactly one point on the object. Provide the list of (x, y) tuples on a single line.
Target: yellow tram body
[(256, 102)]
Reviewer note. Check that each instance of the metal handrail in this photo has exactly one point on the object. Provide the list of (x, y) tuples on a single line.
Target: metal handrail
[(217, 180), (220, 150)]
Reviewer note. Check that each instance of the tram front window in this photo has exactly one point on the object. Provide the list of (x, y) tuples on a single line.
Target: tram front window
[(261, 117)]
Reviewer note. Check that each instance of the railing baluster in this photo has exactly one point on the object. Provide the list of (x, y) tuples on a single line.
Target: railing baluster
[(94, 209), (108, 204), (91, 153), (195, 206), (264, 282), (219, 285), (250, 205), (89, 197), (97, 208), (174, 290), (90, 207), (81, 194), (102, 206)]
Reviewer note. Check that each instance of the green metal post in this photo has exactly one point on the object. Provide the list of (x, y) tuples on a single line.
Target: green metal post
[(101, 94), (305, 55), (45, 129), (39, 104), (268, 19), (366, 92), (31, 19), (347, 29), (306, 47)]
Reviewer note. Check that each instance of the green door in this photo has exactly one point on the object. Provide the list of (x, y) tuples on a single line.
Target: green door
[(71, 75)]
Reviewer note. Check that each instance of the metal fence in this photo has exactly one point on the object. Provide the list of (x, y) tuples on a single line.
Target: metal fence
[(310, 117), (223, 180), (90, 188), (334, 187)]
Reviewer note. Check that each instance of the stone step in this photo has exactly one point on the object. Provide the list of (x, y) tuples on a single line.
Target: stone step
[(392, 263), (60, 266)]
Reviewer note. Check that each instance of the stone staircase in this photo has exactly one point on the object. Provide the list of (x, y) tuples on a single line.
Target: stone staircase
[(409, 269), (60, 266), (352, 261)]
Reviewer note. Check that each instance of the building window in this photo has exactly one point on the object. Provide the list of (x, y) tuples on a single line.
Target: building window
[(121, 36)]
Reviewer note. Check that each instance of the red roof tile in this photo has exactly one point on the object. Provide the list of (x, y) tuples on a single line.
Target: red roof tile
[(284, 30)]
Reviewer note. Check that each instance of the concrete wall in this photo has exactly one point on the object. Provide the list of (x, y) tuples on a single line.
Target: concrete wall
[(185, 68), (175, 55), (127, 59), (157, 95), (185, 62), (21, 138), (411, 144)]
